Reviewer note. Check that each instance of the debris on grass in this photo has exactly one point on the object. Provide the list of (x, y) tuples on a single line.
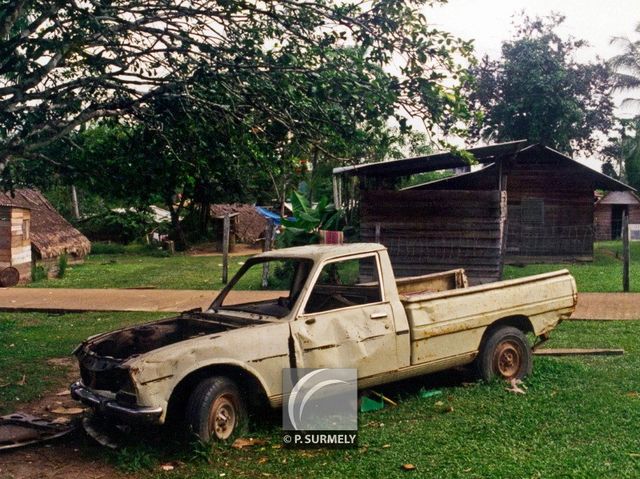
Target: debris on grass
[(23, 381), (241, 443), (93, 429), (516, 386), (578, 352), (20, 429), (408, 467), (442, 407), (72, 411), (384, 398), (170, 466), (424, 394), (368, 404)]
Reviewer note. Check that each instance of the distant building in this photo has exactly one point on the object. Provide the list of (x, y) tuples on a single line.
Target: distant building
[(526, 204), (32, 231), (609, 210)]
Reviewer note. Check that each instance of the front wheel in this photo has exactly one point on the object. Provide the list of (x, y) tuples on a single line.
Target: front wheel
[(215, 410), (505, 354)]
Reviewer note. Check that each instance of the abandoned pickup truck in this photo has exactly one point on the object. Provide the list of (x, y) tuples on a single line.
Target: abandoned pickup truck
[(319, 307)]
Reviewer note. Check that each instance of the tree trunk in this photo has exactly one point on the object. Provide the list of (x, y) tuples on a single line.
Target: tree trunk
[(177, 232), (314, 174), (74, 203), (205, 208)]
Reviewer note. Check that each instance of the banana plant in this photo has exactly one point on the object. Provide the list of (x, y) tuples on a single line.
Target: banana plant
[(307, 220)]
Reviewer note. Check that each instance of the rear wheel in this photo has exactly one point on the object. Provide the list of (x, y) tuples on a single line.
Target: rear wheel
[(505, 354), (215, 410)]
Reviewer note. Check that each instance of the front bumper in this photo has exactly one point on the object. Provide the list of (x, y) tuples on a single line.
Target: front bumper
[(110, 406)]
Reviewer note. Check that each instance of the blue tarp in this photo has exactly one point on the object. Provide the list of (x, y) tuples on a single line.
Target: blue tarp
[(270, 215)]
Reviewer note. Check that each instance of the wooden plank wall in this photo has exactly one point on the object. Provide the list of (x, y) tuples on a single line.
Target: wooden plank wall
[(5, 236), (602, 222), (15, 248), (603, 216), (428, 231), (567, 231)]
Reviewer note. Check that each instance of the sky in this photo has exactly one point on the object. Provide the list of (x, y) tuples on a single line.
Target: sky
[(489, 22)]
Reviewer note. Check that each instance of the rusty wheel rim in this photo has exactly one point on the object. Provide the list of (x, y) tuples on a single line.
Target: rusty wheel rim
[(507, 359), (222, 417)]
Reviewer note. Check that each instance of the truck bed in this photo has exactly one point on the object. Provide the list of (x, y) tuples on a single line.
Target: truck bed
[(451, 322), (432, 283)]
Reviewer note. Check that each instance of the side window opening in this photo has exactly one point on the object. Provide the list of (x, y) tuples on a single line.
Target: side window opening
[(342, 284)]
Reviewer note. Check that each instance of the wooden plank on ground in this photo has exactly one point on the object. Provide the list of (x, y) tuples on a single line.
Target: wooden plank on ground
[(578, 352)]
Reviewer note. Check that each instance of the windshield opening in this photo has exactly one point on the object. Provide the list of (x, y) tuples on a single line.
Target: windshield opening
[(273, 285)]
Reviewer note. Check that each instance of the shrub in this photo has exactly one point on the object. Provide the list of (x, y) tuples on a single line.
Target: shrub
[(63, 262), (120, 226), (38, 273), (107, 248)]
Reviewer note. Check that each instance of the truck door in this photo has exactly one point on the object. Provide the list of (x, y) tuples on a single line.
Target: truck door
[(346, 321)]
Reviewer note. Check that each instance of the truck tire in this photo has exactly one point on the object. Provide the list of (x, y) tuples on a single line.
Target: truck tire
[(215, 410), (505, 354)]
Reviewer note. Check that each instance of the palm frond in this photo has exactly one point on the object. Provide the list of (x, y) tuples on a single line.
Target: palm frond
[(625, 81), (631, 103)]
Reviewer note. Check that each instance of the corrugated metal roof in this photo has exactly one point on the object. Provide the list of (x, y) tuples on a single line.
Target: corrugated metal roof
[(600, 180), (436, 161), (484, 155)]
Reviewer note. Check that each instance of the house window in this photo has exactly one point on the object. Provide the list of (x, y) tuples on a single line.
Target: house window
[(532, 211), (26, 229)]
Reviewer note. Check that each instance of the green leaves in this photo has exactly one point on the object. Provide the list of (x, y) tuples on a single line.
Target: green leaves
[(308, 220), (538, 91)]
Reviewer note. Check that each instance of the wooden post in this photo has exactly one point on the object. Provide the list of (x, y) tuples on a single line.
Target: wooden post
[(226, 226), (266, 246), (625, 252)]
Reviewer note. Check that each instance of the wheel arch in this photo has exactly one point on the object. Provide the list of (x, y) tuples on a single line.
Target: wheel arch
[(521, 322), (250, 387)]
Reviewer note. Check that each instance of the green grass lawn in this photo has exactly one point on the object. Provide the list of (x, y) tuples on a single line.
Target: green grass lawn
[(137, 268), (604, 274), (142, 271), (579, 418)]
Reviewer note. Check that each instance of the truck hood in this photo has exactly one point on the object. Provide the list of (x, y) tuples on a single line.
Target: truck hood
[(104, 358)]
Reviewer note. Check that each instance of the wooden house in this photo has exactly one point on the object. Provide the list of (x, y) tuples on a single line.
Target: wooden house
[(15, 245), (523, 204), (609, 211), (38, 233)]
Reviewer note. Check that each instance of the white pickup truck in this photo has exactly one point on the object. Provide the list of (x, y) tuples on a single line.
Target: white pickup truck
[(317, 307)]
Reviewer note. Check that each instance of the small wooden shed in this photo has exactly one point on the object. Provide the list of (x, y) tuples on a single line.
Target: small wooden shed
[(15, 245), (609, 211), (523, 204), (43, 229)]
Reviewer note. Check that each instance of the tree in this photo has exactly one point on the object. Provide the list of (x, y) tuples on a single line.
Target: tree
[(538, 91), (626, 67), (66, 63)]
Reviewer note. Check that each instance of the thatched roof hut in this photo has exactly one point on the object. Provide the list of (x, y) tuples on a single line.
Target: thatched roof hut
[(250, 224), (51, 235)]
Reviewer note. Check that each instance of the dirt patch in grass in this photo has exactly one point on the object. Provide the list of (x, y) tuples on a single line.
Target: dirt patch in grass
[(73, 456)]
